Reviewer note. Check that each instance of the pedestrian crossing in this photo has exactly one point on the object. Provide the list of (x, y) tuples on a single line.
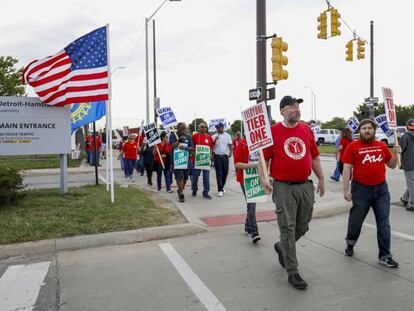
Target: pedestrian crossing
[(20, 286)]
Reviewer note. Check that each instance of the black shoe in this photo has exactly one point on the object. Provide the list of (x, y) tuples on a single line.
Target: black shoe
[(194, 193), (349, 250), (410, 209), (279, 253), (297, 282), (404, 202), (247, 233), (207, 196), (181, 198), (256, 238), (389, 262)]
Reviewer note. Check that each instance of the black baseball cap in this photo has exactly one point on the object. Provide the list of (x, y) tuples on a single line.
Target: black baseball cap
[(289, 100), (219, 125)]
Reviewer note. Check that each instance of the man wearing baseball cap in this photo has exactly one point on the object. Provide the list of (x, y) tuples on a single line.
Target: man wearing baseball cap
[(222, 149), (293, 156), (407, 164)]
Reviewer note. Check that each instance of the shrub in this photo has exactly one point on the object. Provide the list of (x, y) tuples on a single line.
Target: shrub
[(10, 184)]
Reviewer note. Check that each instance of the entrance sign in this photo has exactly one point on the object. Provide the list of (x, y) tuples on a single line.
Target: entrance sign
[(27, 126), (254, 190), (152, 135), (202, 157), (167, 117), (180, 159), (389, 108), (257, 126)]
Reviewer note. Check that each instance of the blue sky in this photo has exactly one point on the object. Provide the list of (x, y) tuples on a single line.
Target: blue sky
[(206, 59)]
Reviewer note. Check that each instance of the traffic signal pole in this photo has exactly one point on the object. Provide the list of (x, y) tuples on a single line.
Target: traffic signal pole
[(261, 49), (371, 88)]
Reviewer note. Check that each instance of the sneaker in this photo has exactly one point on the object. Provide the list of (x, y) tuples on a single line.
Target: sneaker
[(297, 282), (220, 194), (170, 191), (248, 233), (279, 254), (410, 209), (349, 250), (207, 196), (132, 180), (159, 189), (181, 198), (194, 193), (404, 202), (256, 238), (334, 179), (389, 262), (224, 190)]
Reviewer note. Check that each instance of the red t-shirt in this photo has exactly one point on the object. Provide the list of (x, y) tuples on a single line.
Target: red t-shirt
[(241, 155), (141, 140), (130, 150), (164, 149), (236, 142), (201, 139), (344, 142), (368, 161), (292, 152)]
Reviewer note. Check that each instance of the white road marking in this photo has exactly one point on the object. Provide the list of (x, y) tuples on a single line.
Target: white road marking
[(196, 285), (395, 233), (20, 285)]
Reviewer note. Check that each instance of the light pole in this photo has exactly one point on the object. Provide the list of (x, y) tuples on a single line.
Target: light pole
[(147, 19), (313, 103)]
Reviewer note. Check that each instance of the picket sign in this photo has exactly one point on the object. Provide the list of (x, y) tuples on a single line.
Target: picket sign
[(254, 190), (202, 157), (389, 106), (180, 159)]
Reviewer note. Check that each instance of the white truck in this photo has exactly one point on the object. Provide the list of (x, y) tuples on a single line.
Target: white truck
[(326, 136)]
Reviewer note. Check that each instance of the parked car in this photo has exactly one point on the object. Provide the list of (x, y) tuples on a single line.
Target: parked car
[(326, 136)]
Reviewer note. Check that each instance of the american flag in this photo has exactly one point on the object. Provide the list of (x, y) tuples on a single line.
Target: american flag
[(78, 73)]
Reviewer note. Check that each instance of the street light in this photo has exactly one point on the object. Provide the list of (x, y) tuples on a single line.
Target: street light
[(147, 19), (313, 103)]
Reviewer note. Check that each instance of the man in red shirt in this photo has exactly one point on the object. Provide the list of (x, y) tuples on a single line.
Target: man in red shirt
[(367, 158), (204, 139), (292, 157)]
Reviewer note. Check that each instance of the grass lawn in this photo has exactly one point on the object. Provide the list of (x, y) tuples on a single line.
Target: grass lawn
[(46, 214), (326, 148), (27, 162)]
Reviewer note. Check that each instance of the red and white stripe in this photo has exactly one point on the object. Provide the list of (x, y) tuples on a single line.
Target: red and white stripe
[(57, 85)]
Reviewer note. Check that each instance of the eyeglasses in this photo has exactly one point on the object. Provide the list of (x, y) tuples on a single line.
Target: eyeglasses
[(202, 126)]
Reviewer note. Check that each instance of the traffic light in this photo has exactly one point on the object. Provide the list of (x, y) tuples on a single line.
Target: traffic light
[(278, 59), (322, 26), (335, 23), (360, 49), (349, 51)]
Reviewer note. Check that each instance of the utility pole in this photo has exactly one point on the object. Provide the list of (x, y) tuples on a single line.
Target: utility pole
[(155, 72), (371, 89), (261, 51)]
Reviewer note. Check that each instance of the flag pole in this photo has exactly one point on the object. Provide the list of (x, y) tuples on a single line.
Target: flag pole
[(109, 116), (107, 146)]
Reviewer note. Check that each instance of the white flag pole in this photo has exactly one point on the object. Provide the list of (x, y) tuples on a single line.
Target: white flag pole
[(109, 117)]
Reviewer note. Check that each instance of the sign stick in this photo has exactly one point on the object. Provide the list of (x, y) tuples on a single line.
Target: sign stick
[(159, 154), (263, 164), (396, 144)]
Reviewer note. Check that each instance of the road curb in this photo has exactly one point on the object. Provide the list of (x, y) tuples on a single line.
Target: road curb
[(102, 239)]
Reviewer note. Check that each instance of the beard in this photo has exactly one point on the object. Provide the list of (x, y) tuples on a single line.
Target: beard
[(293, 118), (367, 138)]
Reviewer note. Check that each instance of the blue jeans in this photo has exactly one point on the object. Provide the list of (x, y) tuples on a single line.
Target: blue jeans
[(336, 174), (221, 163), (206, 180), (129, 167), (250, 225), (167, 176), (363, 198)]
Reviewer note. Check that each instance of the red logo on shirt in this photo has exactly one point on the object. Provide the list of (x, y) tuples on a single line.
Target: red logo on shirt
[(295, 148)]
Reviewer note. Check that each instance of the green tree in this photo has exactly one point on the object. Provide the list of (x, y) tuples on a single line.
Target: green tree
[(236, 126), (403, 112), (196, 123), (10, 77), (335, 123)]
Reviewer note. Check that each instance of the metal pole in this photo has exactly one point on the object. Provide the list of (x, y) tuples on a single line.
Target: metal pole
[(155, 72), (314, 104), (371, 88), (63, 173), (95, 154), (146, 72), (261, 50)]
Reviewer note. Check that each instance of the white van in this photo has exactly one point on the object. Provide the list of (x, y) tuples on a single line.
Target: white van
[(326, 136)]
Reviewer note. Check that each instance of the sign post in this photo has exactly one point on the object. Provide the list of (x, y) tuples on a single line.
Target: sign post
[(391, 116)]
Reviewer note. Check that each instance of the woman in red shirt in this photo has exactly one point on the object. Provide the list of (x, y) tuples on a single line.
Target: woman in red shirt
[(129, 152), (346, 139), (165, 152)]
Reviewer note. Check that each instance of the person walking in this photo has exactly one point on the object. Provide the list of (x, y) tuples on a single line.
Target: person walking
[(292, 157), (243, 159), (222, 152), (366, 158), (346, 139), (148, 161), (129, 153), (182, 141), (407, 164), (336, 175), (202, 138), (165, 152)]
